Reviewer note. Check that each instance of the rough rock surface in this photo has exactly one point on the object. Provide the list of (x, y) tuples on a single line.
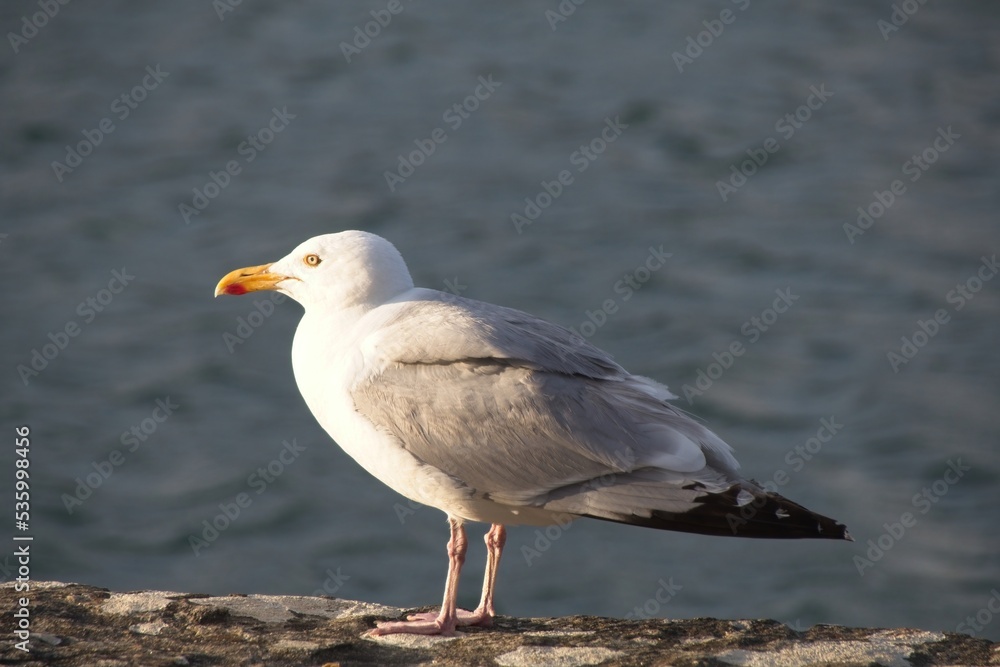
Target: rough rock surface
[(83, 625)]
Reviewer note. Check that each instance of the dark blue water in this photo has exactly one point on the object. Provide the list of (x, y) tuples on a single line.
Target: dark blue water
[(199, 144)]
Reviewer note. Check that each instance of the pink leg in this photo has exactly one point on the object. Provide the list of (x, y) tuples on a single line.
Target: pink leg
[(484, 613), (444, 623)]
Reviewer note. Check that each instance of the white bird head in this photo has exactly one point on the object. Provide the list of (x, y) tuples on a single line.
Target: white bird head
[(344, 270)]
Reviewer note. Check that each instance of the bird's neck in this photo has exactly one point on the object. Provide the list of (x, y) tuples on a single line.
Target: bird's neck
[(326, 360), (322, 335)]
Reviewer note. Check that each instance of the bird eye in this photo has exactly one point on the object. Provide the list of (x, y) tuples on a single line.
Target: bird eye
[(312, 260)]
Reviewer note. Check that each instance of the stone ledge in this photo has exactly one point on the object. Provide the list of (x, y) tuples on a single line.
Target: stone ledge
[(83, 625)]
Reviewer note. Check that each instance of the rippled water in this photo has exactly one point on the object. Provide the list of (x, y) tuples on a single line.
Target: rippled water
[(821, 109)]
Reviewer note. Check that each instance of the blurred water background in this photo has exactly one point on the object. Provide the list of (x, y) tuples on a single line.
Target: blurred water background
[(825, 105)]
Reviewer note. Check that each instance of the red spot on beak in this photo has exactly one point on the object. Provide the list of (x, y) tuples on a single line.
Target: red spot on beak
[(235, 289)]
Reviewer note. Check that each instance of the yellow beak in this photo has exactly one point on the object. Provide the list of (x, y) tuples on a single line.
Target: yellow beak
[(250, 279)]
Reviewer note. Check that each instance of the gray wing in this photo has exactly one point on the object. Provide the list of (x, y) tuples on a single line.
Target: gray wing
[(525, 413), (434, 327), (516, 407)]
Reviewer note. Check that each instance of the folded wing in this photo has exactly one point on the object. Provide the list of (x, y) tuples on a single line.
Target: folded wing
[(526, 414)]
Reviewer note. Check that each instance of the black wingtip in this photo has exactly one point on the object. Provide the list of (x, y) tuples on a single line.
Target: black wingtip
[(730, 514)]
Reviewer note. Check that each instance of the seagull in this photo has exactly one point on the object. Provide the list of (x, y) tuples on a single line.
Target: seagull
[(493, 415)]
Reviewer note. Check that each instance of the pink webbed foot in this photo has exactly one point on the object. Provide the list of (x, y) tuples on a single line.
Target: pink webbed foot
[(464, 618), (416, 624), (478, 618), (430, 623)]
